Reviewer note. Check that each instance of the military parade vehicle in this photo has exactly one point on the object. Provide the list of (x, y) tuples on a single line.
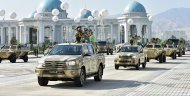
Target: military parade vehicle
[(179, 44), (130, 55), (14, 52), (70, 62), (170, 50), (104, 47), (154, 50)]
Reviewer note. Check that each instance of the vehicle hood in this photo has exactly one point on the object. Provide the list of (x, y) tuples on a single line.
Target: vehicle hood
[(60, 57), (127, 54)]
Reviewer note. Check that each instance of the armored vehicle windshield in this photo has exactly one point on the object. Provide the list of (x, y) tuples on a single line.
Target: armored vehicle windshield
[(129, 49), (170, 46), (149, 46), (158, 46), (66, 50), (102, 43)]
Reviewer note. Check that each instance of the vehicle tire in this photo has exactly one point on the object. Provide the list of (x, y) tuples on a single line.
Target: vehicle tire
[(25, 58), (174, 56), (42, 81), (147, 59), (107, 53), (79, 81), (13, 59), (1, 60), (99, 75), (180, 54), (137, 66), (183, 52), (144, 64), (164, 58), (111, 53), (161, 58), (116, 67)]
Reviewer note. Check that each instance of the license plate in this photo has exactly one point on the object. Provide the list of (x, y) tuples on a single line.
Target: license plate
[(53, 72)]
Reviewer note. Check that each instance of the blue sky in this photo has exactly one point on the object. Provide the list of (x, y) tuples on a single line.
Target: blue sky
[(24, 7)]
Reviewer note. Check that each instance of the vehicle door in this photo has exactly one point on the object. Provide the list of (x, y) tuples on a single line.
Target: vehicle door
[(86, 58), (93, 60), (18, 50)]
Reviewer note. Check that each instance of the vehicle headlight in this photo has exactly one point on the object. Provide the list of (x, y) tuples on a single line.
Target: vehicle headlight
[(41, 62), (40, 65), (145, 51), (134, 56), (71, 63)]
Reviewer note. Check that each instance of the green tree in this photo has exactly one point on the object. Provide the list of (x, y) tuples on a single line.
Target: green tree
[(13, 41)]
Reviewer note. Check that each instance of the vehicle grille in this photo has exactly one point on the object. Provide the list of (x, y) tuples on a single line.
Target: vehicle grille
[(125, 57), (55, 64)]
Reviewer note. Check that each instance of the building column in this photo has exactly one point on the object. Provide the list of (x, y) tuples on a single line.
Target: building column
[(9, 35), (17, 33), (139, 30), (41, 33), (62, 34), (126, 35), (111, 27), (25, 35), (119, 34), (20, 34), (149, 32), (2, 36)]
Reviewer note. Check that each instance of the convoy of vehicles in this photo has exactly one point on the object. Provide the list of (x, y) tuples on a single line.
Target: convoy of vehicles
[(71, 62), (130, 55), (13, 52), (79, 61), (179, 44)]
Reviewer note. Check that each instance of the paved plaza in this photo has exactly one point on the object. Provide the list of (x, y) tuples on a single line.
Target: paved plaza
[(167, 79)]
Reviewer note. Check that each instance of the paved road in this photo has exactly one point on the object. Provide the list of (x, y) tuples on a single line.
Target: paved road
[(171, 78)]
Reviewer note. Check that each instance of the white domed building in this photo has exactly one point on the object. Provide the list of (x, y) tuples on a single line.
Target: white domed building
[(29, 30), (135, 22)]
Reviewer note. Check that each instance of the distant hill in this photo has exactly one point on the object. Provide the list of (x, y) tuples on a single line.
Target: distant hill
[(173, 19)]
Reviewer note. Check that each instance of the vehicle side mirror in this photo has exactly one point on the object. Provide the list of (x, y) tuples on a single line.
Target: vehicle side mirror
[(85, 54)]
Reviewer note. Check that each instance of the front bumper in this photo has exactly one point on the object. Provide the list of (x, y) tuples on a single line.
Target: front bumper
[(58, 73), (121, 62)]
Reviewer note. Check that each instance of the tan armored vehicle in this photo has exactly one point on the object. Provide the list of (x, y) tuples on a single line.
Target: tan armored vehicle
[(70, 62), (171, 51), (14, 52), (104, 47), (179, 44), (155, 51), (130, 55)]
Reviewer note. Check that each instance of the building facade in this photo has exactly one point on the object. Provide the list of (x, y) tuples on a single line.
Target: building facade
[(115, 29)]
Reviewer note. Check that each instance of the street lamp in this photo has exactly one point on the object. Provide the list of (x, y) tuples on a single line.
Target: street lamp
[(37, 16), (103, 13), (2, 13), (13, 15), (130, 22), (56, 12)]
